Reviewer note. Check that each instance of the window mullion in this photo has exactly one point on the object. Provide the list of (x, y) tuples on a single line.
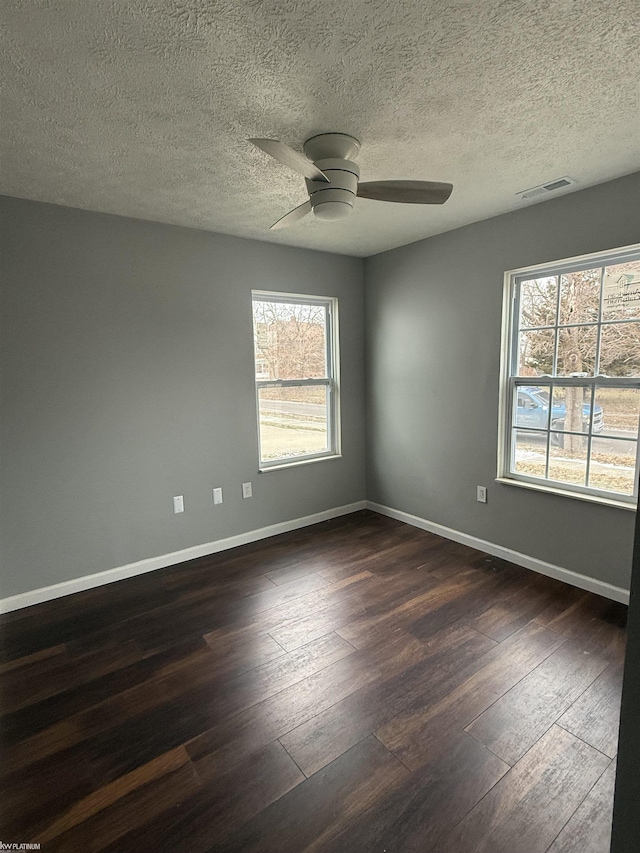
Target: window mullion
[(510, 448), (291, 383), (546, 455), (328, 355), (592, 412), (596, 366), (554, 367), (607, 381), (515, 329)]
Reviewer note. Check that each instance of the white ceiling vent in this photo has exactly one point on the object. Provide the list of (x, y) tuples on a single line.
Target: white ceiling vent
[(544, 189)]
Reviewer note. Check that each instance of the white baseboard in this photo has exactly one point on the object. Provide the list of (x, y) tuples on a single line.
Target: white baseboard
[(607, 590), (47, 593)]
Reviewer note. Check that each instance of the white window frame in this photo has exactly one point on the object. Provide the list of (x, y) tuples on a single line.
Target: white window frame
[(509, 381), (330, 382)]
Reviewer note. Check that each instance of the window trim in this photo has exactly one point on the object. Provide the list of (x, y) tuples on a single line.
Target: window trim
[(509, 379), (331, 382)]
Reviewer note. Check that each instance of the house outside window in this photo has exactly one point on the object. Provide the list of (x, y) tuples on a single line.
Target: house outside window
[(570, 383), (296, 372)]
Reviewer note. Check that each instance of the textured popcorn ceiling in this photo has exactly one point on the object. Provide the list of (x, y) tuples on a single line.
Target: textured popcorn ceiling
[(143, 107)]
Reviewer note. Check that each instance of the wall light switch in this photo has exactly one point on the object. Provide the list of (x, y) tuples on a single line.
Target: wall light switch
[(246, 490), (178, 503), (217, 496)]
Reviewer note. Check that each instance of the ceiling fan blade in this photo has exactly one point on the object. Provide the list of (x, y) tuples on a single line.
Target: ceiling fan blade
[(406, 192), (288, 157), (293, 216)]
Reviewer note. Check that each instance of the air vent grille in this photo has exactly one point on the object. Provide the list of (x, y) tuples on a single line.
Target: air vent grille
[(549, 187)]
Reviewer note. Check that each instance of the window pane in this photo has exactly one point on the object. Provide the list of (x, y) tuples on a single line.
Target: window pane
[(290, 340), (580, 296), (617, 411), (529, 453), (571, 410), (293, 422), (538, 298), (536, 352), (569, 464), (532, 407), (620, 349), (613, 465), (621, 298), (577, 350)]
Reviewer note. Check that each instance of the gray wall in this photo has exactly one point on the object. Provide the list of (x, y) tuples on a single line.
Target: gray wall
[(127, 378), (432, 320)]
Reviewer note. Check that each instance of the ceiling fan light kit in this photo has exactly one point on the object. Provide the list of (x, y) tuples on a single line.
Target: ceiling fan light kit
[(335, 199), (332, 179)]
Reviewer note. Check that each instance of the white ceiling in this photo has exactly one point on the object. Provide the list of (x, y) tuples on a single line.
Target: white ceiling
[(144, 107)]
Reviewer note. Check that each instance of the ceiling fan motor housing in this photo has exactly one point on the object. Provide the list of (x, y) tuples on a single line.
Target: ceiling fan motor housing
[(332, 178), (334, 200)]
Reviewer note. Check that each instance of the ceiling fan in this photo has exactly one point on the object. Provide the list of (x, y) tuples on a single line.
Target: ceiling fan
[(333, 179)]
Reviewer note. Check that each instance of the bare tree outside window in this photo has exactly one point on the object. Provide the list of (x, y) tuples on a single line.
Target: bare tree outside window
[(291, 338)]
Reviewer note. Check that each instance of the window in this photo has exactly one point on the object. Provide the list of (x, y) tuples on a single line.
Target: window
[(570, 392), (295, 341)]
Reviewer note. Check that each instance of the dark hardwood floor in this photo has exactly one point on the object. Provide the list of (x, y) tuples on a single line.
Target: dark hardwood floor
[(357, 686)]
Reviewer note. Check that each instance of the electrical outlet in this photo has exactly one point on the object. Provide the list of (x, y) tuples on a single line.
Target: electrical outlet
[(178, 503), (217, 496), (246, 490), (482, 494)]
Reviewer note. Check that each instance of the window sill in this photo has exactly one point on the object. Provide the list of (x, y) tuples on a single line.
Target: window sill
[(296, 462), (552, 490)]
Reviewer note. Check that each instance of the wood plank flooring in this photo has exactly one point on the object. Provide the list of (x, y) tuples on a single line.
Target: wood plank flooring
[(358, 685)]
